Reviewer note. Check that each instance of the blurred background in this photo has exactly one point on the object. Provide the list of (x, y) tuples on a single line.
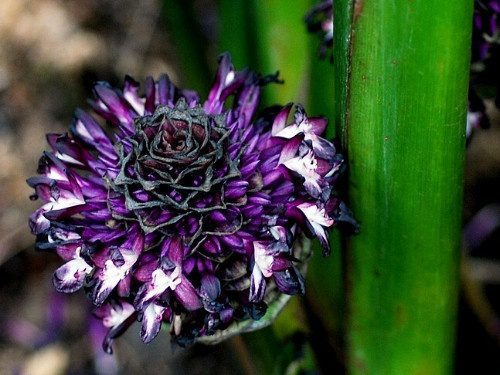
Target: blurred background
[(51, 53)]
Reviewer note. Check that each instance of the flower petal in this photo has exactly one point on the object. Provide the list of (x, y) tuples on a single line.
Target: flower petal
[(290, 281), (187, 295), (257, 285), (151, 321), (118, 317), (71, 276)]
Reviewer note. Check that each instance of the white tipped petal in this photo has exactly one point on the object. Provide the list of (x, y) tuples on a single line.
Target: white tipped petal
[(316, 215), (262, 258)]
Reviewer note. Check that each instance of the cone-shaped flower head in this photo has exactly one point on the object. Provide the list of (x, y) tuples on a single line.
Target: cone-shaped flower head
[(191, 212)]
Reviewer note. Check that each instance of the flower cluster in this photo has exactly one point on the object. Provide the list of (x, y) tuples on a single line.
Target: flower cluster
[(190, 213), (319, 20)]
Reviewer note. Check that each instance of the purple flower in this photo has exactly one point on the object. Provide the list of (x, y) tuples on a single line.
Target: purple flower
[(476, 114), (189, 213), (319, 20), (486, 32), (485, 60)]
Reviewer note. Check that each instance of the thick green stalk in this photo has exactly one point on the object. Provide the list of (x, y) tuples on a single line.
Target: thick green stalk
[(404, 119)]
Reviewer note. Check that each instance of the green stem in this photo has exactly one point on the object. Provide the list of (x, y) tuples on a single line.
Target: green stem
[(406, 73), (234, 24), (324, 286), (341, 52), (322, 89), (190, 46), (282, 44)]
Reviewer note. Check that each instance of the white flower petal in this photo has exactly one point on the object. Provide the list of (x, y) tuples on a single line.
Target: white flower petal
[(315, 214), (289, 131), (262, 258), (118, 314), (151, 321), (161, 282)]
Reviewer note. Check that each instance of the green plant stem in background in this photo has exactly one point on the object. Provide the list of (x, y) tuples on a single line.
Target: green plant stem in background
[(190, 47), (341, 51), (324, 276), (404, 123), (321, 89), (325, 286), (233, 34), (281, 43)]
